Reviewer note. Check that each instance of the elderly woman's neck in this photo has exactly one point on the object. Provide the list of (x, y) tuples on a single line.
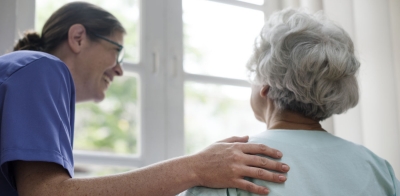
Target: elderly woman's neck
[(284, 119)]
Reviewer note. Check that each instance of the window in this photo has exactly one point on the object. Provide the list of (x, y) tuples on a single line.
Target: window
[(176, 77), (216, 49), (219, 44), (214, 112)]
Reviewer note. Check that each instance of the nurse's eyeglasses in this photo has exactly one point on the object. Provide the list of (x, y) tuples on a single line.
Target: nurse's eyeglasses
[(120, 57)]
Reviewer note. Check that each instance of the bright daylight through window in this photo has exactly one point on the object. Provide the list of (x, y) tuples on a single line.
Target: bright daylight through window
[(218, 45)]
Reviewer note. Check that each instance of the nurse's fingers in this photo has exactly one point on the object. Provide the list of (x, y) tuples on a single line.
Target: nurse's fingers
[(265, 163), (251, 187)]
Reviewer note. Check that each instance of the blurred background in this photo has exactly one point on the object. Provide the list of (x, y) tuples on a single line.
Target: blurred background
[(185, 83)]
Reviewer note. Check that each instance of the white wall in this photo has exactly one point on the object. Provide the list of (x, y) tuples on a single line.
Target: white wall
[(7, 32), (16, 16)]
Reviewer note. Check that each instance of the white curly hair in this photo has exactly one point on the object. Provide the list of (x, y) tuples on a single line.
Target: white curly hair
[(308, 62)]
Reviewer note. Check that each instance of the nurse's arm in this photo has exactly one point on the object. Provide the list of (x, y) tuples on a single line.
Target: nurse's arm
[(221, 165)]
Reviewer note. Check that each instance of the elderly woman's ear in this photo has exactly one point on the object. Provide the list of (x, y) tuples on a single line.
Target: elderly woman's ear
[(264, 91)]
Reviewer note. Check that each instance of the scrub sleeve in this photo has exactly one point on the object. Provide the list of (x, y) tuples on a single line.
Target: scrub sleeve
[(37, 114)]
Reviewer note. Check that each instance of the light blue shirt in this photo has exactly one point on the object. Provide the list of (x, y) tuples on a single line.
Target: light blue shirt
[(320, 164)]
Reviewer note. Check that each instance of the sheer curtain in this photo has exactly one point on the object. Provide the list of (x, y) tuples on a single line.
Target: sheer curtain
[(375, 29)]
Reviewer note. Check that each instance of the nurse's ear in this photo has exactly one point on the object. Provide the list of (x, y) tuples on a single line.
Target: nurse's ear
[(77, 37)]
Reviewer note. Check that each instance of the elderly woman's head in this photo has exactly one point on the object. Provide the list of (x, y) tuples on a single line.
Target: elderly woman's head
[(307, 62)]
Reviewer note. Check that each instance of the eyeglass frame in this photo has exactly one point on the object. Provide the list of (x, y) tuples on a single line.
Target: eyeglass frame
[(120, 47)]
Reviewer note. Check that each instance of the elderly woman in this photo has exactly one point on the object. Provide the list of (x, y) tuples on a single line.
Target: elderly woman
[(302, 72)]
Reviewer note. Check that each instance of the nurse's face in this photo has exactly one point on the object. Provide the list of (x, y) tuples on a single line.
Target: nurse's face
[(99, 67)]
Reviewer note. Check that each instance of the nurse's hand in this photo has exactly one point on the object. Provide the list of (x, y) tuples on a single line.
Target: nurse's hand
[(224, 165)]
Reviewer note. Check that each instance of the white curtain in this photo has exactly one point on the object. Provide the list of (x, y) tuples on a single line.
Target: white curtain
[(374, 26)]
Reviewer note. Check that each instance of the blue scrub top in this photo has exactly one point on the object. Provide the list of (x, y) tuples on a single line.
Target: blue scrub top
[(37, 106)]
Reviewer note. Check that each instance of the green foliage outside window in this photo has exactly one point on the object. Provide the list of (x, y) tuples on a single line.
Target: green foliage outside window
[(112, 124)]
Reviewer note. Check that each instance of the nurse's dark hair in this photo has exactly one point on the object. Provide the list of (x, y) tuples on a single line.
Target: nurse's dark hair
[(95, 20)]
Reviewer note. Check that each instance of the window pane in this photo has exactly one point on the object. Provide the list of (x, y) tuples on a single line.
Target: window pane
[(126, 11), (219, 38), (111, 125), (214, 112)]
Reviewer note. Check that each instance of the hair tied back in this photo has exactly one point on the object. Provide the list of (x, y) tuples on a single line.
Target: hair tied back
[(30, 41)]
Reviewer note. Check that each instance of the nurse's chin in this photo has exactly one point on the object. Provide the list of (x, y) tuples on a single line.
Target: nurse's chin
[(99, 97)]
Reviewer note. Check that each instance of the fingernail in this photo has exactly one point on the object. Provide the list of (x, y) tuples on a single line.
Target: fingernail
[(266, 191), (279, 154), (285, 167), (282, 178)]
